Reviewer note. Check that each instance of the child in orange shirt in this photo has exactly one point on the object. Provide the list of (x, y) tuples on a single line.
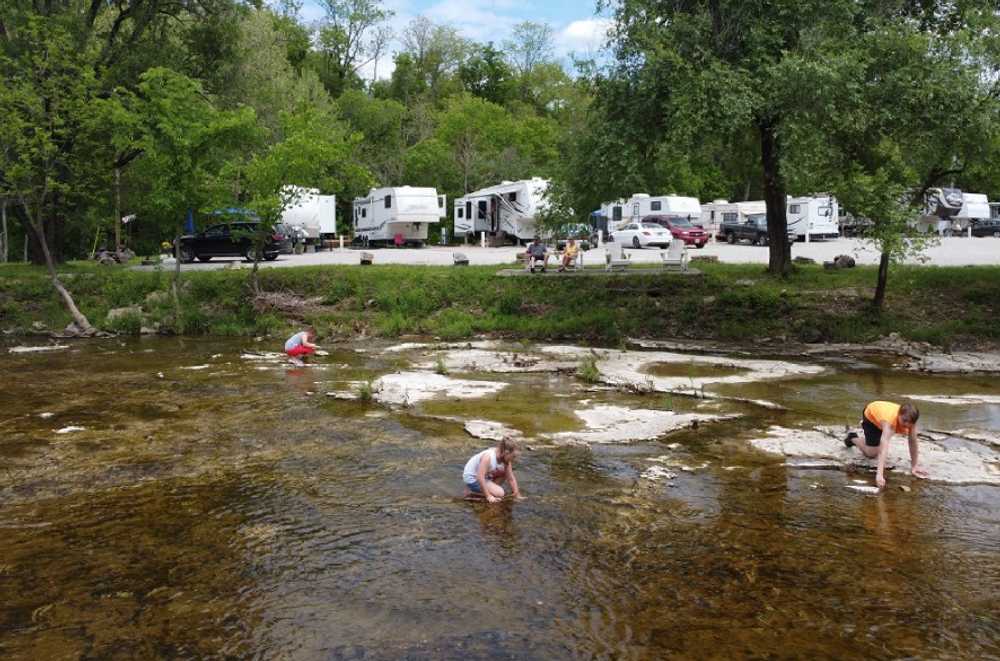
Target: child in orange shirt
[(879, 421)]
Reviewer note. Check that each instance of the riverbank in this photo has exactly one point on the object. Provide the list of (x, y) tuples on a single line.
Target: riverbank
[(950, 307)]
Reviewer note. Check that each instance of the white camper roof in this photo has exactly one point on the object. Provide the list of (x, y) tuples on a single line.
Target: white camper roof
[(975, 205), (535, 185)]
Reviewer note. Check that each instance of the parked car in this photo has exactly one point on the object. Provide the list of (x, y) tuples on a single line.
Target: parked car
[(990, 227), (227, 240), (642, 235), (753, 230), (681, 228)]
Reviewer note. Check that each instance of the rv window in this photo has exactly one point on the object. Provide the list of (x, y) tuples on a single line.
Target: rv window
[(793, 208), (388, 201), (364, 213), (460, 210), (512, 197), (440, 200), (825, 212), (655, 206), (468, 209), (729, 217), (482, 208), (616, 213)]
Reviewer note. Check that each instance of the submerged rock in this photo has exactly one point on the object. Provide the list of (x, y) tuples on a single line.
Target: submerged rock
[(656, 473), (405, 388), (490, 430), (44, 347), (618, 424), (70, 429), (822, 448)]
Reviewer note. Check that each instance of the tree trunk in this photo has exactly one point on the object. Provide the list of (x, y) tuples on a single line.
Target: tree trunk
[(4, 237), (780, 262), (118, 214), (78, 317), (883, 279), (175, 283)]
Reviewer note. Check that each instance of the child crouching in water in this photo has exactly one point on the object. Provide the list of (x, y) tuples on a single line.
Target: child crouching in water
[(301, 345), (487, 470)]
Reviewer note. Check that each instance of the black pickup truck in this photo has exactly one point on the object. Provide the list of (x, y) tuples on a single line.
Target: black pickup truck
[(753, 230)]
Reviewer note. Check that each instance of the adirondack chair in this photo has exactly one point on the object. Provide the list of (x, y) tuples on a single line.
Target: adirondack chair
[(675, 258), (615, 257)]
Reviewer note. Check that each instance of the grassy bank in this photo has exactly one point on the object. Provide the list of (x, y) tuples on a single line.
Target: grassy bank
[(946, 306)]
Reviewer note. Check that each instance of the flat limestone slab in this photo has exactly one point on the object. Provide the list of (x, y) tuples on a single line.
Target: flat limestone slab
[(40, 348), (818, 448), (406, 388), (498, 362), (961, 362), (490, 430), (619, 424), (957, 400)]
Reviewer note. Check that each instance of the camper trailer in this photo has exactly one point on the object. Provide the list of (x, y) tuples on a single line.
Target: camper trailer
[(717, 212), (814, 217), (398, 215), (941, 206), (641, 206), (505, 211), (312, 215), (975, 208)]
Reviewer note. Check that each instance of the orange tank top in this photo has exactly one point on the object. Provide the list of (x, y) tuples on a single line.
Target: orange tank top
[(882, 412)]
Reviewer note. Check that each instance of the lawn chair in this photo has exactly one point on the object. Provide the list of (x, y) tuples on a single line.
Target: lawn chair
[(676, 257), (615, 257)]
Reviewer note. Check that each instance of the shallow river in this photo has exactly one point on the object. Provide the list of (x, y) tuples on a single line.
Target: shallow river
[(212, 506)]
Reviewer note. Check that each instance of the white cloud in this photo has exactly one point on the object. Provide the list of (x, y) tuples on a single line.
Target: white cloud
[(583, 36)]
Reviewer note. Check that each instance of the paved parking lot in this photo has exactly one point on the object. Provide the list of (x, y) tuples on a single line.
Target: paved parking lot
[(949, 252)]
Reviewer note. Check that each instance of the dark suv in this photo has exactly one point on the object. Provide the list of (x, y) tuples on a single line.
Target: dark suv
[(227, 240), (989, 227)]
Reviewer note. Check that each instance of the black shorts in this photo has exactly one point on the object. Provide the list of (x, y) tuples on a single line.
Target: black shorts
[(873, 435)]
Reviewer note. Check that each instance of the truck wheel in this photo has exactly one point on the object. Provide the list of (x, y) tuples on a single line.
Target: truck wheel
[(730, 238), (636, 243), (271, 256), (996, 235), (187, 254), (204, 258), (762, 241)]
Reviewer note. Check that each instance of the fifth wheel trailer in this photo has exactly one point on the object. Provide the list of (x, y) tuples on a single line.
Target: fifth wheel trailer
[(398, 214), (312, 214), (642, 205), (507, 210)]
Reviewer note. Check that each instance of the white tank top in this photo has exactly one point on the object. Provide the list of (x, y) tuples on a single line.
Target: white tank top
[(472, 465)]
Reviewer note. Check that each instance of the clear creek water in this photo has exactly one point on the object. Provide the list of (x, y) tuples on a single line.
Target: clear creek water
[(235, 511)]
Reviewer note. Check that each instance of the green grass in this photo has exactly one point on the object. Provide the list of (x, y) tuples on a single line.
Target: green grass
[(950, 306)]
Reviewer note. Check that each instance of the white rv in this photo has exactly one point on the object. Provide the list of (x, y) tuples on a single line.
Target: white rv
[(975, 207), (313, 215), (402, 214), (717, 212), (941, 206), (508, 209), (814, 217), (641, 206)]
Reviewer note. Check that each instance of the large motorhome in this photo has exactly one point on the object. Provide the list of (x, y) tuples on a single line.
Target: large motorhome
[(641, 206), (397, 215), (814, 217), (507, 210), (314, 215), (717, 212)]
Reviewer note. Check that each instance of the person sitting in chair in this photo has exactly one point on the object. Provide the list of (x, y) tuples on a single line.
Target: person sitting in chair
[(537, 252), (569, 255)]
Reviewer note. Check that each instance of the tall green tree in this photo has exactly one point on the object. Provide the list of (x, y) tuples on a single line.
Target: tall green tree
[(909, 104)]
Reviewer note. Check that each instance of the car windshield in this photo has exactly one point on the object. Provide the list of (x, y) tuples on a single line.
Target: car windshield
[(651, 226), (757, 218)]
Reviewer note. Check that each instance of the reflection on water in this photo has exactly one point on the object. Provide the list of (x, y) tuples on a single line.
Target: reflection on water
[(236, 511)]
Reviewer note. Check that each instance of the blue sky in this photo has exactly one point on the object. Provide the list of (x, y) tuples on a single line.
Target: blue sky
[(576, 26)]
